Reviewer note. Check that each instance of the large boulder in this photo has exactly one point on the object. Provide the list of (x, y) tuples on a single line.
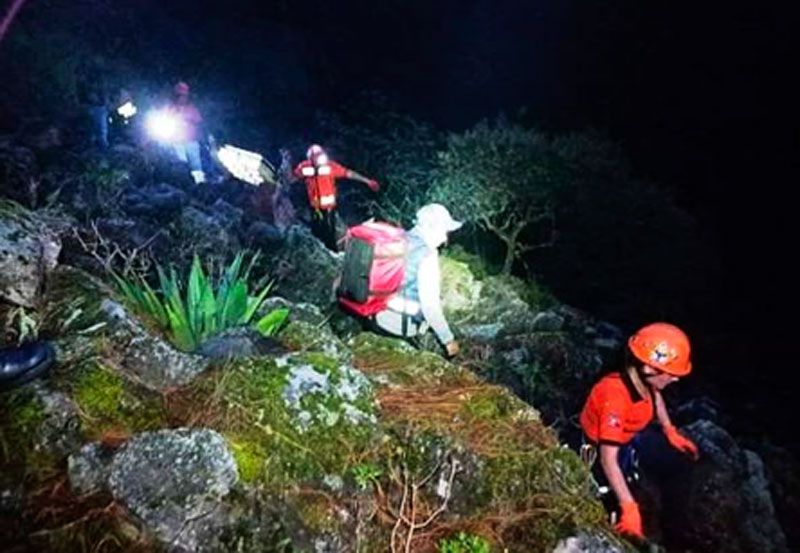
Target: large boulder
[(306, 269), (160, 200), (148, 358), (321, 391), (89, 468), (549, 357), (173, 480), (588, 543), (461, 291), (722, 502), (783, 470), (237, 343), (206, 234), (59, 433), (28, 252)]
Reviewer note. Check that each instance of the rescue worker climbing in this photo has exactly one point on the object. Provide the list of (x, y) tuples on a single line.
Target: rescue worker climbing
[(320, 174), (418, 306), (622, 404), (187, 148)]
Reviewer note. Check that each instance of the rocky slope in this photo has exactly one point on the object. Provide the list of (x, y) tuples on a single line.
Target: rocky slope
[(332, 439)]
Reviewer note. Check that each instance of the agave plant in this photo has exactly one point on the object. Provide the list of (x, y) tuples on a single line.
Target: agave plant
[(203, 307)]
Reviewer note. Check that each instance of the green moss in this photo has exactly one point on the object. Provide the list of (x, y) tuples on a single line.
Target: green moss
[(251, 458), (305, 336), (21, 415), (110, 403), (315, 512), (322, 362), (492, 405), (272, 447), (464, 543), (478, 266), (403, 364), (552, 484), (460, 289)]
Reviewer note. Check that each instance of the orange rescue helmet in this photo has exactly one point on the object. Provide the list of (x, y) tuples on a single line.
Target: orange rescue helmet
[(663, 346)]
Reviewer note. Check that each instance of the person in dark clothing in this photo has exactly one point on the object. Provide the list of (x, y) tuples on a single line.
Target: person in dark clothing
[(95, 98)]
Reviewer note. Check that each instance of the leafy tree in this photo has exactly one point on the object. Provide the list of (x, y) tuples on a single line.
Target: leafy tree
[(502, 178)]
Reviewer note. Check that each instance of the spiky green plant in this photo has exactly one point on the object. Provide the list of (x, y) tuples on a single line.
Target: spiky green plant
[(203, 307)]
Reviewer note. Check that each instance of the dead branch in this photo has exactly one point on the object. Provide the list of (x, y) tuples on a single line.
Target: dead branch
[(110, 255), (407, 512)]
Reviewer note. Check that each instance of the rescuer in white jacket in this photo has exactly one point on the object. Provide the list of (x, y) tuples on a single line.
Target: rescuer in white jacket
[(419, 304)]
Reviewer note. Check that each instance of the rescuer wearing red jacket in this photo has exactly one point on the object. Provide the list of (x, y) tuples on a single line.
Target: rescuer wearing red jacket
[(320, 174), (622, 404)]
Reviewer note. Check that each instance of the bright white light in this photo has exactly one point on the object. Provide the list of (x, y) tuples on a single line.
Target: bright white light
[(127, 110), (321, 159), (164, 126), (242, 164)]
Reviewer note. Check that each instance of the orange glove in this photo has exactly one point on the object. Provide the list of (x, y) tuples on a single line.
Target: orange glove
[(373, 185), (630, 521), (681, 442)]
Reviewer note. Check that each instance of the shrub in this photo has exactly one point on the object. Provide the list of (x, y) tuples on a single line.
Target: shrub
[(502, 178), (205, 307)]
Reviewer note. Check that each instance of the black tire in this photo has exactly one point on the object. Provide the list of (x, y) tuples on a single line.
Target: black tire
[(34, 372)]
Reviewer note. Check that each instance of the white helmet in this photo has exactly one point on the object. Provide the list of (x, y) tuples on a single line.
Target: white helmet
[(436, 216), (316, 154)]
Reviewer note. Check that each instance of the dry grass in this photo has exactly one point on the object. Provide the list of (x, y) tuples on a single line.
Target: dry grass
[(446, 408)]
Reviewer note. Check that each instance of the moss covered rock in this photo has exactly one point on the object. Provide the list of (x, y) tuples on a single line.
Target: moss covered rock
[(473, 450), (113, 405), (145, 356), (460, 289), (28, 253), (293, 419)]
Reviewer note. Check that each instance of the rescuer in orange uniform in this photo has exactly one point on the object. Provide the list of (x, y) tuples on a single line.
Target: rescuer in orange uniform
[(320, 174), (622, 404)]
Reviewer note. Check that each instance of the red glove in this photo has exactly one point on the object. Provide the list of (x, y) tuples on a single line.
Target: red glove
[(681, 442), (630, 521), (373, 185)]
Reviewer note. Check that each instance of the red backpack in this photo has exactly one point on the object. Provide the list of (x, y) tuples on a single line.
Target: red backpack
[(374, 267)]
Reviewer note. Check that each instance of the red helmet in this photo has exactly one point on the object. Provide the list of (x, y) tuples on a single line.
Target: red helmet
[(181, 88), (663, 346)]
